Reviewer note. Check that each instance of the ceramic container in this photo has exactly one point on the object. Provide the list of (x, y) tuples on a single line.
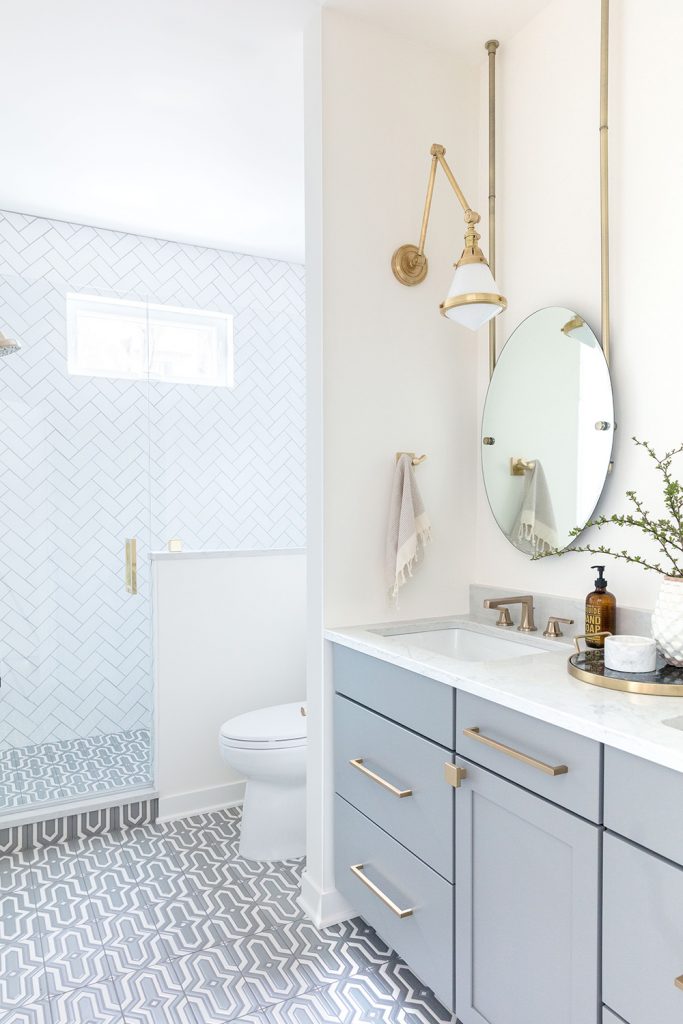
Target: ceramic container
[(630, 654), (667, 620)]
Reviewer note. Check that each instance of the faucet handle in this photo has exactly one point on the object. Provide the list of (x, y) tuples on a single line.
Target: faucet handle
[(504, 617), (553, 628)]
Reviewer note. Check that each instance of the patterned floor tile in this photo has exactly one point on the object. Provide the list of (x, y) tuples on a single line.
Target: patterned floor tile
[(168, 925), (21, 973), (215, 988), (93, 1005), (154, 995)]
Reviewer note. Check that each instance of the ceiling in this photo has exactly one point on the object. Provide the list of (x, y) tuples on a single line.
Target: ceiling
[(183, 119), (461, 26)]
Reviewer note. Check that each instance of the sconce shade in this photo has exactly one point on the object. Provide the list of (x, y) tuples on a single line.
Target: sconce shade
[(473, 297)]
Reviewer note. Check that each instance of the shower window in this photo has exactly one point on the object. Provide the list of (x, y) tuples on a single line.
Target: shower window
[(120, 338)]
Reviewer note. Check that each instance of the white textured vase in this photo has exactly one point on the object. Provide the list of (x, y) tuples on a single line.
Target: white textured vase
[(667, 620)]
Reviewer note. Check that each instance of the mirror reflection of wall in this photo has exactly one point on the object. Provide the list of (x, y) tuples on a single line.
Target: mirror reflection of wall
[(550, 409)]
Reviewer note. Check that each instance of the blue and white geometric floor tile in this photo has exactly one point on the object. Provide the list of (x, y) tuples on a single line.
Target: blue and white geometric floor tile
[(166, 924), (74, 768)]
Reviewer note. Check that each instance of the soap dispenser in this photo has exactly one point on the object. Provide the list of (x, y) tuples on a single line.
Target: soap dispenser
[(601, 611)]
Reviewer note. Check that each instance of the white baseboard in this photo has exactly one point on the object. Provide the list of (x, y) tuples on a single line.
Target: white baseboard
[(323, 908), (199, 801)]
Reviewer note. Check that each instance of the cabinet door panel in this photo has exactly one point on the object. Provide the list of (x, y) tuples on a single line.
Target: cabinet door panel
[(527, 909), (642, 935), (644, 802), (425, 938), (424, 705), (422, 821)]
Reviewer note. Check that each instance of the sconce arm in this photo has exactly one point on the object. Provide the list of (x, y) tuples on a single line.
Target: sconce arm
[(438, 157)]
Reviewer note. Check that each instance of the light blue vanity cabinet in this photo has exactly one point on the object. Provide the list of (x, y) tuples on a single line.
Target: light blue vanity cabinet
[(643, 891), (527, 907)]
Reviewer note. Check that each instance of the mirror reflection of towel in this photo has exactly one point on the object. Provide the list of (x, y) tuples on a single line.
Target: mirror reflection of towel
[(534, 529)]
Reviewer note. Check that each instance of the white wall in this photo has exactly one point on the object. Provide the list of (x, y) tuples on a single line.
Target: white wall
[(549, 242), (230, 636), (386, 372)]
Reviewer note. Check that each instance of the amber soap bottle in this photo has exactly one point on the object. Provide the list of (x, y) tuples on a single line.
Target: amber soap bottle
[(601, 611)]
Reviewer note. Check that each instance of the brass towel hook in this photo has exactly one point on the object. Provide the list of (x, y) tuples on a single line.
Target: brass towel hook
[(414, 459)]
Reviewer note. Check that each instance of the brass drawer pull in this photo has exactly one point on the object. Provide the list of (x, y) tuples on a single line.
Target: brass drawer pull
[(357, 870), (548, 769), (357, 762), (679, 982)]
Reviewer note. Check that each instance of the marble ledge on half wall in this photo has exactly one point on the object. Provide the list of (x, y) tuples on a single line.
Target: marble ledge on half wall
[(631, 621), (174, 556)]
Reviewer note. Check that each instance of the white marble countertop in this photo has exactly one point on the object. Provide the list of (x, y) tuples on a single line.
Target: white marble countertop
[(535, 684)]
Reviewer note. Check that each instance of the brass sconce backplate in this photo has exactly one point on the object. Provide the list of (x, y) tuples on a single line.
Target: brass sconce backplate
[(408, 265)]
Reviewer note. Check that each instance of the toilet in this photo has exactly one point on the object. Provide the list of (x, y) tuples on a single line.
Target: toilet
[(268, 748)]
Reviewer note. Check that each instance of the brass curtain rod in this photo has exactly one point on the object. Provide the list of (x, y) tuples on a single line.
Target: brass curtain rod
[(491, 47)]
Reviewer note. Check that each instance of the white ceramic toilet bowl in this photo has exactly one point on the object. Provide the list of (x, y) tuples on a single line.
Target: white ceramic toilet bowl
[(268, 748)]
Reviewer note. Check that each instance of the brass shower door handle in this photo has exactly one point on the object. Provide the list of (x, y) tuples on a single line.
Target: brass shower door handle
[(131, 573)]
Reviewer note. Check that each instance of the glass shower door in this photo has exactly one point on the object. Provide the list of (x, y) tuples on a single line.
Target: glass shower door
[(76, 690)]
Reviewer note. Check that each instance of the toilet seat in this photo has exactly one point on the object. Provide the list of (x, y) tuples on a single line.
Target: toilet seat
[(276, 728)]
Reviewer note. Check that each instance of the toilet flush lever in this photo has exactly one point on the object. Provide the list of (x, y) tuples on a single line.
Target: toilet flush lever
[(303, 712)]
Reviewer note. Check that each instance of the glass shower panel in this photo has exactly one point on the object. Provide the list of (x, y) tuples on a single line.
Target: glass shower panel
[(76, 690)]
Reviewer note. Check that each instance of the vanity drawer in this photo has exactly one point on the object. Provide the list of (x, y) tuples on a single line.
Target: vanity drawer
[(424, 705), (642, 934), (534, 751), (424, 938), (644, 802), (422, 818)]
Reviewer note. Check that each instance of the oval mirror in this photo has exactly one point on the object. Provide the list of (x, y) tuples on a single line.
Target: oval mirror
[(547, 430)]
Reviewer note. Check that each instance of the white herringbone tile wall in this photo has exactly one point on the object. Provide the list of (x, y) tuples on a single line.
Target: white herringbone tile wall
[(87, 462)]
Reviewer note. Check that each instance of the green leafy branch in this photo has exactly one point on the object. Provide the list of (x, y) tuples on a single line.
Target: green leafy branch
[(666, 532)]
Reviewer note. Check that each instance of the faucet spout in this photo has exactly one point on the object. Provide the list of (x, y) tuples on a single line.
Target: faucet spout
[(527, 625)]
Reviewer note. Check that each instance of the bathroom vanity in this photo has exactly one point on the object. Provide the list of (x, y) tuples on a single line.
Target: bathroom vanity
[(514, 834)]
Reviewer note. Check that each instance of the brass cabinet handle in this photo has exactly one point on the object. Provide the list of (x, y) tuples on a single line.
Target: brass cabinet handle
[(357, 870), (548, 769), (679, 982), (454, 774), (357, 762)]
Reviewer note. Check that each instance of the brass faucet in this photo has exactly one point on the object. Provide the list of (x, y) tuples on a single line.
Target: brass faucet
[(527, 625)]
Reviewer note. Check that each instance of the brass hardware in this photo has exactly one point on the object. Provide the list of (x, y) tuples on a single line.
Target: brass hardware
[(589, 636), (357, 870), (131, 573), (604, 179), (504, 617), (414, 459), (527, 624), (491, 46), (409, 263), (679, 982), (358, 762), (572, 325), (602, 425), (547, 769), (303, 712), (454, 774), (468, 298), (553, 629), (518, 467), (489, 440), (175, 545)]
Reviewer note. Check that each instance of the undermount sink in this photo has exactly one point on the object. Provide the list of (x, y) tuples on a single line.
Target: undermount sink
[(466, 644)]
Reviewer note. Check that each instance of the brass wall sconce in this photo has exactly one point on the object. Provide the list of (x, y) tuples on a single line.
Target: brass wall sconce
[(473, 298)]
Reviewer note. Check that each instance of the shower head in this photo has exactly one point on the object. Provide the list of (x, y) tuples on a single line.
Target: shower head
[(7, 346)]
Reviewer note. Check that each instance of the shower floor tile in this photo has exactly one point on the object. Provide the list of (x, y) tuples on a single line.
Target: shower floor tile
[(74, 768), (113, 930)]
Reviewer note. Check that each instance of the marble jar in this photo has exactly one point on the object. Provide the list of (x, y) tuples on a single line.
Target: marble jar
[(667, 620)]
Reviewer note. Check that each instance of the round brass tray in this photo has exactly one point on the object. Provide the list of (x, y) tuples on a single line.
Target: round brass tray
[(589, 667)]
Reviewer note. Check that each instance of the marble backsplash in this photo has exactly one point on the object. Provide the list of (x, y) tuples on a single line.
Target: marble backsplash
[(633, 621)]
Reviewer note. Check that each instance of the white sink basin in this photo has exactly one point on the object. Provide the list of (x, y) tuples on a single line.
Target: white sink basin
[(466, 644)]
